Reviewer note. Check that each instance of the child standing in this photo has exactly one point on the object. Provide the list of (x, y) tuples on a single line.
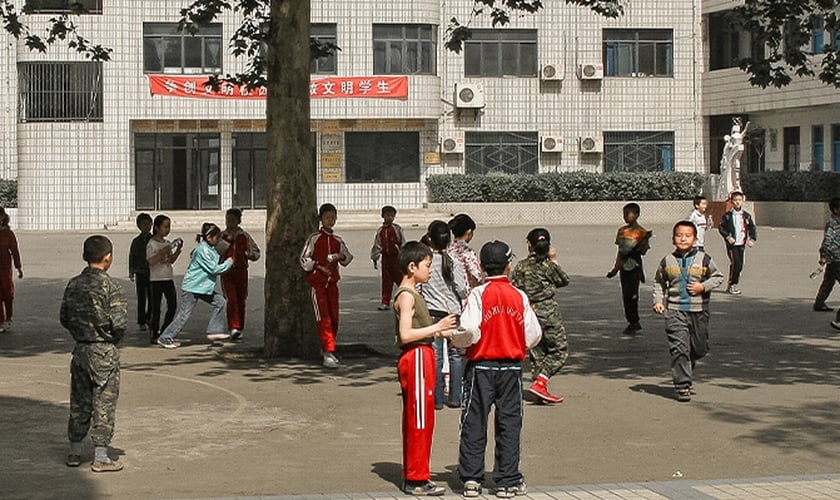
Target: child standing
[(738, 230), (161, 254), (9, 255), (387, 241), (698, 218), (200, 284), (633, 242), (463, 231), (416, 368), (539, 276), (238, 245), (497, 326), (321, 255), (95, 312), (138, 270), (683, 285), (829, 258)]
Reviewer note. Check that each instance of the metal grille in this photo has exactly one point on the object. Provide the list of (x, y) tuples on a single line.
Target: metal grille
[(638, 151), (60, 91), (502, 152)]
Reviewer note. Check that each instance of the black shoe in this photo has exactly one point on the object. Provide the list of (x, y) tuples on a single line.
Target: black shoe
[(822, 307), (632, 329)]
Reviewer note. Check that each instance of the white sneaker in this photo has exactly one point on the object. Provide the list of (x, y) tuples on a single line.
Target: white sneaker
[(235, 334), (330, 361), (216, 337)]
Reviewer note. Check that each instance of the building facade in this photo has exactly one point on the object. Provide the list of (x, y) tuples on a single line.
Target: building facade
[(92, 143)]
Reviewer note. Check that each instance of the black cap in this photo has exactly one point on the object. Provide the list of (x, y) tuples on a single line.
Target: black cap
[(496, 254)]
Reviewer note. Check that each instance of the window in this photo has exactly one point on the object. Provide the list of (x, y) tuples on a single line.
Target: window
[(382, 156), (638, 151), (404, 49), (728, 43), (639, 52), (791, 151), (324, 33), (501, 53), (817, 148), (817, 35), (63, 6), (165, 50), (501, 152), (60, 91)]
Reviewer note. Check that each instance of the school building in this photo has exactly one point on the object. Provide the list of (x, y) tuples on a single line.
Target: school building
[(93, 143)]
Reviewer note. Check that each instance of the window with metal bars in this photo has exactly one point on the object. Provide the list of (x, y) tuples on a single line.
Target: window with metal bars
[(382, 156), (506, 52), (63, 6), (404, 49), (60, 92), (638, 151), (501, 152), (168, 51)]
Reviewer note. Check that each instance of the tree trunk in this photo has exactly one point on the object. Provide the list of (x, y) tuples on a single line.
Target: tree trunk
[(291, 205)]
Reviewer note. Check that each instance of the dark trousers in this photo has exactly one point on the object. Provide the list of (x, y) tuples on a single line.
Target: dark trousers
[(143, 287), (688, 340), (162, 289), (736, 262), (487, 384), (630, 281), (94, 390), (831, 274)]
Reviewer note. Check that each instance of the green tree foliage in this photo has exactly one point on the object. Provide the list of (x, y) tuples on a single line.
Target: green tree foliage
[(784, 28)]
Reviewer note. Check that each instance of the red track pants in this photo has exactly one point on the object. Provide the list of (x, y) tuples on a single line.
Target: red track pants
[(416, 369), (391, 276), (235, 286), (325, 303)]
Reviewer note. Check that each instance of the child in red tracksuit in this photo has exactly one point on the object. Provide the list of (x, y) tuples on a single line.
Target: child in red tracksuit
[(498, 326), (416, 368), (387, 242), (237, 244), (321, 255)]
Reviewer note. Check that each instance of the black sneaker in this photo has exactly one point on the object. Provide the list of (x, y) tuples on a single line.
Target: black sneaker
[(427, 489)]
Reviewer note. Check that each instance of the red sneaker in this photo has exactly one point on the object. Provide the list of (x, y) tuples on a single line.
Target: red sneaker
[(541, 391)]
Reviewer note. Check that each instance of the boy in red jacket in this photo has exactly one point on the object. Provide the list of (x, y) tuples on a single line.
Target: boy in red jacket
[(498, 326), (321, 255), (387, 242)]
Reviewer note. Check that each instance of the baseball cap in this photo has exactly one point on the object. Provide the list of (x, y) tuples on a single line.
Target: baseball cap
[(496, 254)]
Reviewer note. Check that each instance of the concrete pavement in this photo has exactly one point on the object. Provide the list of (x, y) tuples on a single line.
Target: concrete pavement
[(201, 422)]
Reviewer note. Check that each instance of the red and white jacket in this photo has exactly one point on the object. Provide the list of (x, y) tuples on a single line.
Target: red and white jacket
[(497, 322), (319, 246)]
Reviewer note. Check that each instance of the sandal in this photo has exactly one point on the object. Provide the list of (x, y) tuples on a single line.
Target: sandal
[(684, 395)]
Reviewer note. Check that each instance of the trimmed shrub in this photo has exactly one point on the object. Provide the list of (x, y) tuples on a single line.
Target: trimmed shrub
[(8, 193), (564, 186), (791, 186)]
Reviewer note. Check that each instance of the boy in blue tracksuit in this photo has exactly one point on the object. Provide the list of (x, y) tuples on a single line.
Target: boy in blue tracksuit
[(200, 284)]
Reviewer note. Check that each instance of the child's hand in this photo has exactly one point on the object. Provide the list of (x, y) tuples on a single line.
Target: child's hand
[(659, 308), (374, 263), (695, 288), (750, 243), (444, 327), (20, 274), (324, 270), (612, 273)]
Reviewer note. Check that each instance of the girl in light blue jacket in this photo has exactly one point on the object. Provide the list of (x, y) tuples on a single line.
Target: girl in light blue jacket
[(200, 284)]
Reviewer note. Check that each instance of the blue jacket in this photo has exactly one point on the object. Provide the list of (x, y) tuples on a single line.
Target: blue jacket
[(200, 277)]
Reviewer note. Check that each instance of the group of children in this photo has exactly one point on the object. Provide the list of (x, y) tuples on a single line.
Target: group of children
[(220, 252)]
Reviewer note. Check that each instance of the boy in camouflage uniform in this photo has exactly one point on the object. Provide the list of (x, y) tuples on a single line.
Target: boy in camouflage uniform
[(95, 311)]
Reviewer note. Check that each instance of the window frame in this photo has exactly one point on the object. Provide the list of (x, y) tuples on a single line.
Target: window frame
[(637, 147), (324, 33), (497, 44), (501, 152), (60, 91), (403, 158), (96, 8), (164, 31), (395, 50), (618, 45)]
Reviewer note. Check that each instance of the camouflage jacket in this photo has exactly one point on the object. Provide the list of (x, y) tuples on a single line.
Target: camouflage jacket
[(94, 308), (539, 279)]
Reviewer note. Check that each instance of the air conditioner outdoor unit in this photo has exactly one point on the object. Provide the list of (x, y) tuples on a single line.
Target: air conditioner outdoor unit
[(552, 72), (591, 144), (452, 144), (551, 143), (469, 95), (591, 71)]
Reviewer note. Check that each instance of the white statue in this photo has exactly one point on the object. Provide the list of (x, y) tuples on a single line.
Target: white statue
[(730, 162)]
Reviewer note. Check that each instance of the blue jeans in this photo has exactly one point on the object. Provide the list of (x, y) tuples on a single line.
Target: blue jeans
[(456, 371), (218, 320)]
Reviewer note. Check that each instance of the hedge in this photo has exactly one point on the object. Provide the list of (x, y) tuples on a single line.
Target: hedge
[(791, 186), (8, 193), (564, 186)]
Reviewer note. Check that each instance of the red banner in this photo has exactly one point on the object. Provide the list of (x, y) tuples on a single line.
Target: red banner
[(381, 87)]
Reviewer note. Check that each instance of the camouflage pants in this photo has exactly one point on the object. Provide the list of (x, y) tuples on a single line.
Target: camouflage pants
[(549, 356), (94, 389)]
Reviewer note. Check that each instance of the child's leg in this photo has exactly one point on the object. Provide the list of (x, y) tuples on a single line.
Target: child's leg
[(171, 303), (81, 397), (241, 296), (231, 295), (105, 372), (456, 373), (185, 309), (218, 319), (416, 369), (630, 294), (553, 350), (736, 263), (440, 353), (699, 332), (323, 319), (140, 287), (477, 392), (157, 295), (829, 277), (10, 307), (508, 426), (677, 327), (390, 275)]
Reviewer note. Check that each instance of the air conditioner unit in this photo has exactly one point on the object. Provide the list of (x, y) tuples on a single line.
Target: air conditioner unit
[(591, 144), (591, 71), (552, 72), (551, 143), (469, 95), (452, 144)]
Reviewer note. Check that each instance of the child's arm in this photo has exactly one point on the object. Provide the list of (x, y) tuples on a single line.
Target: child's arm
[(619, 261), (405, 304), (469, 332), (306, 260), (253, 249), (714, 276), (376, 249), (344, 255), (660, 287), (560, 278)]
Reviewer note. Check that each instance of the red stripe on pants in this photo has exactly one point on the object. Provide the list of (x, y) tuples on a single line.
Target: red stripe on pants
[(416, 369), (235, 286), (325, 302)]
